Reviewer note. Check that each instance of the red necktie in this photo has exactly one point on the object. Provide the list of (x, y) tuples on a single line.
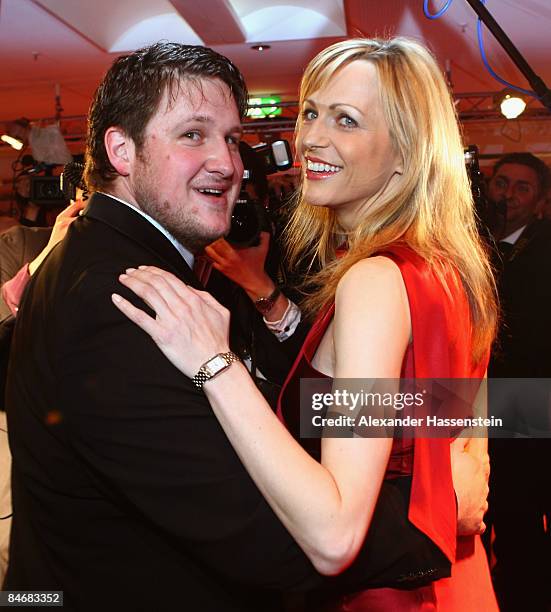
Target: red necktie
[(202, 267)]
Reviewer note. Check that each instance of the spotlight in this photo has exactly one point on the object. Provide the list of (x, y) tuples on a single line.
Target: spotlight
[(260, 47), (511, 104), (13, 142), (16, 133)]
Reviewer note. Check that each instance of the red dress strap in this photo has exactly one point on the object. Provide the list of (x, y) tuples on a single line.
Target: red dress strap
[(307, 350)]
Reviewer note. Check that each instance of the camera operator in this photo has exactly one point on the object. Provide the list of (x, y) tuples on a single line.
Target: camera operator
[(22, 250), (257, 267), (246, 267), (25, 246)]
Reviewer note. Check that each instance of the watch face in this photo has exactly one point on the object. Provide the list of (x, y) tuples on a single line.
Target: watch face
[(216, 364), (264, 304)]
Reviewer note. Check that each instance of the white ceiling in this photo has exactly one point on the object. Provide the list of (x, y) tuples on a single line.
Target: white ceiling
[(72, 42)]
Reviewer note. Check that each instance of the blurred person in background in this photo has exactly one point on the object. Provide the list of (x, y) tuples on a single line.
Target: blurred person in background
[(520, 482)]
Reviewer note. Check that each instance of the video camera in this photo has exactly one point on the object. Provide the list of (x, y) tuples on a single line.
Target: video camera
[(487, 211), (250, 216), (48, 191)]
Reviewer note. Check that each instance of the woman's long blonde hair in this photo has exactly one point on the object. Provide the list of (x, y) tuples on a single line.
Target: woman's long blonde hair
[(429, 208)]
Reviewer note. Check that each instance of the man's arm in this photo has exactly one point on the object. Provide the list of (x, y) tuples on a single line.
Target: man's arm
[(246, 267)]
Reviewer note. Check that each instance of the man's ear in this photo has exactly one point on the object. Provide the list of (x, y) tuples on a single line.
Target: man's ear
[(120, 150)]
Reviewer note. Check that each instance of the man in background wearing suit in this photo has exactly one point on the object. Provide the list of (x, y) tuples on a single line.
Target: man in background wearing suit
[(126, 493), (520, 483)]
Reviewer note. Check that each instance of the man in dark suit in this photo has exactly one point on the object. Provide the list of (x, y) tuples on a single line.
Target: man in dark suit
[(520, 491), (126, 492), (521, 180)]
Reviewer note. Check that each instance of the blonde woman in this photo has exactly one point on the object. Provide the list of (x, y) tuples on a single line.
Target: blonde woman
[(413, 296)]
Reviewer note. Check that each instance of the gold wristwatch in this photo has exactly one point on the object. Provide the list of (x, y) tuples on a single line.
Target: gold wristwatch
[(212, 367)]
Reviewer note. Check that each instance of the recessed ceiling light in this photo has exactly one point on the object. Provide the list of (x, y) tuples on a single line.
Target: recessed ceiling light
[(260, 47)]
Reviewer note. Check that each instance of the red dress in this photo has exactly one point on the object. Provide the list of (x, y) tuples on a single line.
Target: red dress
[(440, 349)]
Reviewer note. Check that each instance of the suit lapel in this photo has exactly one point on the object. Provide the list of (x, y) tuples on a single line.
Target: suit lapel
[(524, 240), (130, 223)]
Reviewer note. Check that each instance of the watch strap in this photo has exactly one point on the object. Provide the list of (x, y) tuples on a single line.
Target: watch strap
[(204, 374), (265, 304)]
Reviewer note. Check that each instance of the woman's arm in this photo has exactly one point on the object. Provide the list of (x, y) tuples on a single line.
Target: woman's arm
[(12, 289), (327, 507)]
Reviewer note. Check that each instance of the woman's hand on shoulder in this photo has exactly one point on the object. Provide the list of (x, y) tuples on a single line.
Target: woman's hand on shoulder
[(372, 320), (189, 327)]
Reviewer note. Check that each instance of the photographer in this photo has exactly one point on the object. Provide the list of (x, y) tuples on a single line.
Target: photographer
[(24, 247), (246, 267)]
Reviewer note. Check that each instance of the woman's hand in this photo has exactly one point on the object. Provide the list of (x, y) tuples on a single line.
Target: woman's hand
[(190, 326), (470, 472)]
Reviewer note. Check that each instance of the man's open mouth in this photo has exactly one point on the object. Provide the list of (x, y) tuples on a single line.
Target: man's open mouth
[(215, 193)]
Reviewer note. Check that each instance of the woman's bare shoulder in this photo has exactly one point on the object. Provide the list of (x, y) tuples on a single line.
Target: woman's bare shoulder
[(377, 273), (372, 320)]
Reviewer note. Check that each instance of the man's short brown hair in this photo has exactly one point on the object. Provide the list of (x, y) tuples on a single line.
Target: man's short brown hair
[(132, 89)]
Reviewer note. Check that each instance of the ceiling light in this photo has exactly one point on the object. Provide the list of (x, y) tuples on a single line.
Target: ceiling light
[(260, 47), (512, 105), (16, 133), (13, 142)]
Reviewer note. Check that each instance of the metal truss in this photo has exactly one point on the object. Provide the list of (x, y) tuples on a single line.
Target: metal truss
[(483, 107), (471, 108)]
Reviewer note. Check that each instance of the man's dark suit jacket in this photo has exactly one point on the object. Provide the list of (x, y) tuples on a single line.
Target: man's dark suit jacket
[(520, 481), (126, 493), (523, 348)]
